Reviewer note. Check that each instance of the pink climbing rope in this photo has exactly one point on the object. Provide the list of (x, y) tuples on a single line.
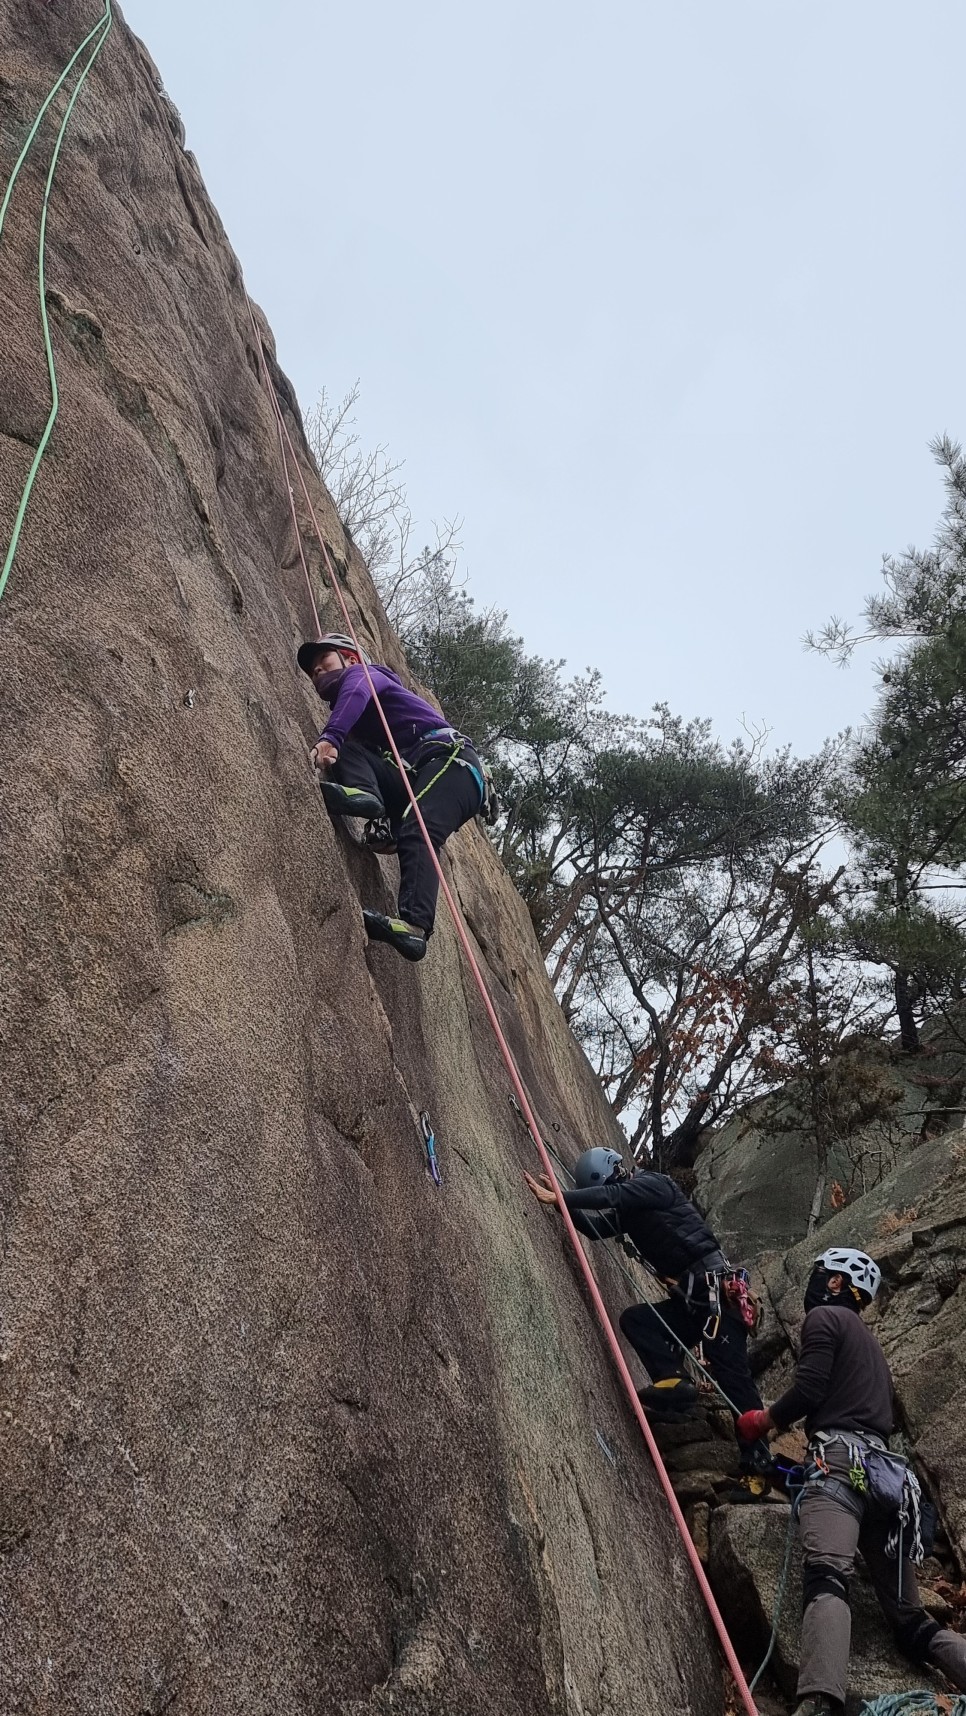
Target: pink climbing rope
[(279, 425), (511, 1066)]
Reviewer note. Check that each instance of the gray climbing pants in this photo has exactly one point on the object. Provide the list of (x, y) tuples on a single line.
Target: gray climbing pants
[(834, 1526)]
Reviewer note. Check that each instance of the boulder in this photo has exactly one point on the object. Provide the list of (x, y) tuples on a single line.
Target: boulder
[(749, 1546), (756, 1175)]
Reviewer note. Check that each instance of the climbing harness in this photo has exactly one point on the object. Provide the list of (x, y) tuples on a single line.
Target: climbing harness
[(489, 802), (432, 739), (421, 794), (513, 1070), (883, 1479), (430, 1142), (98, 36)]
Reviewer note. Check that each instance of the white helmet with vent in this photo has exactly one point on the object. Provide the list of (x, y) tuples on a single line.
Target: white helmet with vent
[(855, 1265)]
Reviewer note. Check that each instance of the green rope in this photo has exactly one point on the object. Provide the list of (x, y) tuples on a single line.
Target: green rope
[(776, 1613), (101, 31), (906, 1703)]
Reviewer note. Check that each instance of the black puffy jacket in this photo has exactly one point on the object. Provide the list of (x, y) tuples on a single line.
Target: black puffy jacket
[(655, 1215)]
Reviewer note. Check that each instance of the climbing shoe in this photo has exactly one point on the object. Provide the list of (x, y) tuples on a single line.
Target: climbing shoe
[(377, 836), (674, 1395), (350, 801), (752, 1487), (405, 938), (819, 1704)]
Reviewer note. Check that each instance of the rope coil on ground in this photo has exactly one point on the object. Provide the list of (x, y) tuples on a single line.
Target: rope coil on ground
[(913, 1704), (516, 1080)]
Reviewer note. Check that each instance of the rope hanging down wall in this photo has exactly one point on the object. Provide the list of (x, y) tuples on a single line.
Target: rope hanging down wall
[(620, 1362), (97, 36)]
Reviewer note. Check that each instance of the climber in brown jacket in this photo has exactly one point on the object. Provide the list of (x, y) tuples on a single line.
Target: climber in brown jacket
[(857, 1496)]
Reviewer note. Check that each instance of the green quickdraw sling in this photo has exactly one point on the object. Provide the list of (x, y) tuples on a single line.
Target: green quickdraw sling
[(459, 740)]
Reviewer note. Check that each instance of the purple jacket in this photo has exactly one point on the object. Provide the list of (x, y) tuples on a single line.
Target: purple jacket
[(410, 717)]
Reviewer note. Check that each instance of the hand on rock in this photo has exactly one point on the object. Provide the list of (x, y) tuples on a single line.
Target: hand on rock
[(324, 755), (541, 1189)]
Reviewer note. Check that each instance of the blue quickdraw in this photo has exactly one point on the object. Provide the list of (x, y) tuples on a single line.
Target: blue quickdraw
[(429, 1140)]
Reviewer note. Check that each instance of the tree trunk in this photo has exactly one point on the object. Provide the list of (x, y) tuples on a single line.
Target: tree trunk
[(818, 1199), (908, 1029)]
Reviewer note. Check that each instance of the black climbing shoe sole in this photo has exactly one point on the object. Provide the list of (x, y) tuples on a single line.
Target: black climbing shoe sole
[(407, 941), (377, 838), (682, 1398), (740, 1496), (343, 801)]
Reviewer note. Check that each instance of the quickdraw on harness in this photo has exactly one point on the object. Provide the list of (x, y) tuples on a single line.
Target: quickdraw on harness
[(884, 1479), (736, 1286), (729, 1286)]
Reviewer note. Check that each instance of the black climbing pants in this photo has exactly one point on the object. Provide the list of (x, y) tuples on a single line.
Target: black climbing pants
[(725, 1354), (834, 1523), (446, 803)]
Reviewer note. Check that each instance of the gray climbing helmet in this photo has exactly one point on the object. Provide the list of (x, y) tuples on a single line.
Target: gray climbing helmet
[(329, 640), (595, 1167)]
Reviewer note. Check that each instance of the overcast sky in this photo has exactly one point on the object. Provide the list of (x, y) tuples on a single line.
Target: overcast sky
[(662, 297)]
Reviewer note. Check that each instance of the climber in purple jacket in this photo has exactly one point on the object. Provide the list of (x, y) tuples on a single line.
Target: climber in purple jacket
[(361, 777)]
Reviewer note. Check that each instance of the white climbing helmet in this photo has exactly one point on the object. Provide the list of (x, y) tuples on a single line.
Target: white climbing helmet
[(860, 1269)]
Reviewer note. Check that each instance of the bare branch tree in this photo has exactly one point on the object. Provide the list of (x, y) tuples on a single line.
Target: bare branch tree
[(372, 503)]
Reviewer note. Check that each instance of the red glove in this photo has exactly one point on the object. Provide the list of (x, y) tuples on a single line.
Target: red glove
[(751, 1426)]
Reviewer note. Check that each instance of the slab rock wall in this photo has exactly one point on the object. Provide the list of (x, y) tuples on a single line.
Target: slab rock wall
[(284, 1428)]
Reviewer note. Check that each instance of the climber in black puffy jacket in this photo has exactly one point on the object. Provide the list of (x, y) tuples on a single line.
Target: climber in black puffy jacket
[(706, 1304)]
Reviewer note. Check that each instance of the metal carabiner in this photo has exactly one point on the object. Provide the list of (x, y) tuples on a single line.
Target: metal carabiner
[(430, 1142), (713, 1324)]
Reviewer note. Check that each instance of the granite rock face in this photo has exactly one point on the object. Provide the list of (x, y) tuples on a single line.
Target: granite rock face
[(743, 1164), (284, 1428)]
